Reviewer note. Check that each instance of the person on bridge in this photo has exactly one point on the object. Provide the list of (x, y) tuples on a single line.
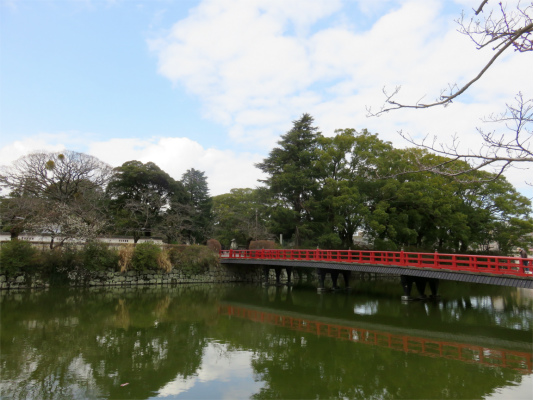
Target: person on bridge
[(523, 254)]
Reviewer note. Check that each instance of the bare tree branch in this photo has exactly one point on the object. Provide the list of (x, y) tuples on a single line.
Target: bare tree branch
[(500, 150), (509, 29)]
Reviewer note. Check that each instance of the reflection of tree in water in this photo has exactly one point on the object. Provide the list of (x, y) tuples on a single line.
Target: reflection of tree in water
[(141, 338), (302, 365), (84, 344), (122, 316)]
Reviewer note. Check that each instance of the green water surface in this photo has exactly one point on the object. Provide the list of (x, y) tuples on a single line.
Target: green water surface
[(246, 341)]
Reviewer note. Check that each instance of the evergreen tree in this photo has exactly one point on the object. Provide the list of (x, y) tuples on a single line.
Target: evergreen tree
[(292, 179), (197, 191), (141, 195)]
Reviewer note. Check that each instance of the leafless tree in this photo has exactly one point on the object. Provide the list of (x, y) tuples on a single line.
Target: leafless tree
[(63, 224), (17, 213), (60, 176), (499, 148), (61, 194), (502, 30)]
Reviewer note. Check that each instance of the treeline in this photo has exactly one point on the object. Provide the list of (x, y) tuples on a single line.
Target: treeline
[(318, 191), (70, 195)]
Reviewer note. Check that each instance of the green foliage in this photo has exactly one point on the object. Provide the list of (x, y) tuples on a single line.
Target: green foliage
[(141, 193), (193, 259), (242, 214), (145, 257), (329, 241), (197, 190), (385, 245), (325, 189), (97, 256), (56, 264), (15, 256), (292, 176), (174, 254)]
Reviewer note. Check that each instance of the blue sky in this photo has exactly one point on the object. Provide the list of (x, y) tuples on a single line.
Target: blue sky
[(212, 84)]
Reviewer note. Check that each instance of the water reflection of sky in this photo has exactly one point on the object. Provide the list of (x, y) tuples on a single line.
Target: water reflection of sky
[(223, 374), (523, 391), (369, 308)]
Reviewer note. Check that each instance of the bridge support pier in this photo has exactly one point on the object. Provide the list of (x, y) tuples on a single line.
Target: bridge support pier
[(322, 272), (277, 270), (346, 275), (420, 283), (289, 273), (321, 278), (278, 276), (266, 275), (334, 278)]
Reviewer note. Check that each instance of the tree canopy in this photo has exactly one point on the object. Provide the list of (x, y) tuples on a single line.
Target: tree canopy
[(326, 189), (140, 195), (54, 193)]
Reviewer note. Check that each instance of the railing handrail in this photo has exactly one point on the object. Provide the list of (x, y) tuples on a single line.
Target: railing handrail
[(494, 265)]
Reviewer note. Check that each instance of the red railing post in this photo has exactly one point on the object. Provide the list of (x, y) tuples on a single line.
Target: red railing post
[(494, 265)]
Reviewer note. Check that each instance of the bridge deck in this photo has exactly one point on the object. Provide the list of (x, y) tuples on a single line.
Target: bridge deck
[(492, 270)]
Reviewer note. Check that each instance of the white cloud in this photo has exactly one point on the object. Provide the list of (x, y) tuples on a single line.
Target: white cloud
[(253, 72), (42, 142), (224, 169)]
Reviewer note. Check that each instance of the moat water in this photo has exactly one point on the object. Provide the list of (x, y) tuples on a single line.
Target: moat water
[(246, 341)]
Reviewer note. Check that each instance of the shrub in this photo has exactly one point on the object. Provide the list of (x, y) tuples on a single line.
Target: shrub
[(125, 254), (145, 257), (163, 261), (174, 253), (57, 263), (262, 244), (214, 245), (196, 259), (17, 255), (97, 256)]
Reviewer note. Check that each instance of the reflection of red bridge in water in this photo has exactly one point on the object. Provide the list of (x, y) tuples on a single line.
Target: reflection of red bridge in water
[(495, 270), (520, 361)]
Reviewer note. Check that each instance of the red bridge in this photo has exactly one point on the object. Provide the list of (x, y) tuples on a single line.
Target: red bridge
[(418, 268)]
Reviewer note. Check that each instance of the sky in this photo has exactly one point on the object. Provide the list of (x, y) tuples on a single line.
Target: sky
[(212, 84)]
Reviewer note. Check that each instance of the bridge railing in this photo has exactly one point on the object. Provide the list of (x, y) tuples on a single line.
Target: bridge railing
[(495, 265)]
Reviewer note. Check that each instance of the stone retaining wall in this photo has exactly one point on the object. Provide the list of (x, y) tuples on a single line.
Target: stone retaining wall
[(218, 274)]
